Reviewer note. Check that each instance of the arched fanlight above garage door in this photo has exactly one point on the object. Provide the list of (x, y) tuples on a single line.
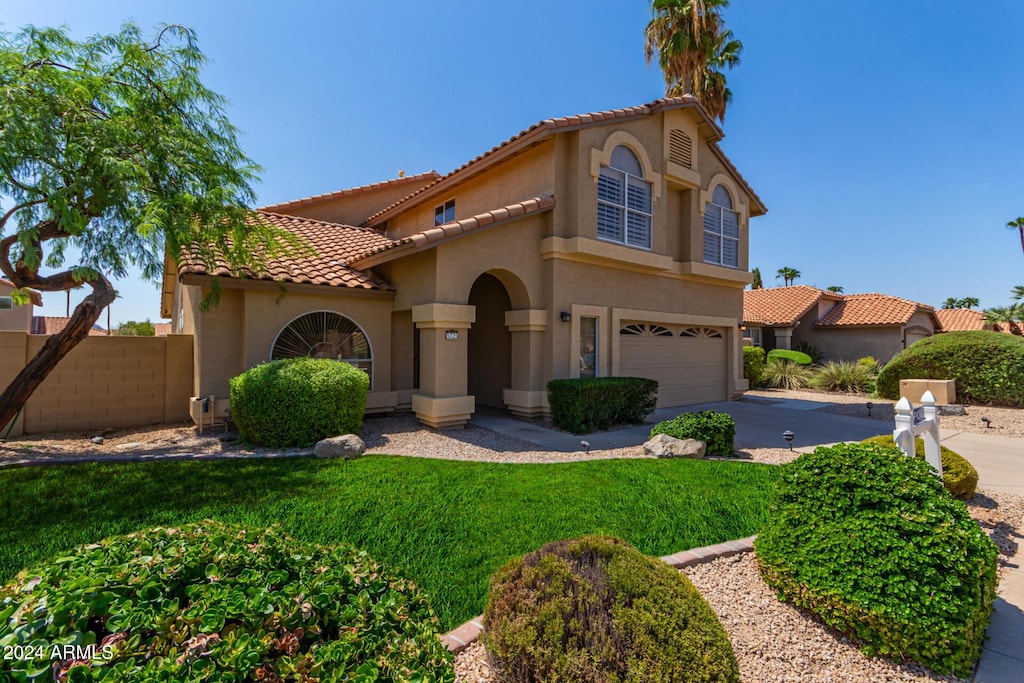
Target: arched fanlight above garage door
[(324, 334)]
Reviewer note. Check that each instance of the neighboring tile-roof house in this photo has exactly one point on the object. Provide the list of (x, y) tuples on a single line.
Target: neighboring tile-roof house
[(957, 319), (539, 131), (48, 324), (161, 329), (871, 309), (429, 238), (782, 306), (334, 243), (34, 296)]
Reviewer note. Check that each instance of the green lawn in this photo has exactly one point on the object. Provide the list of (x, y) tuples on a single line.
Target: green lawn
[(446, 524)]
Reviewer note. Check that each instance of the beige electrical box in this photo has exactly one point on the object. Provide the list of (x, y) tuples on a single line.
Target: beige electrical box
[(209, 411), (944, 390)]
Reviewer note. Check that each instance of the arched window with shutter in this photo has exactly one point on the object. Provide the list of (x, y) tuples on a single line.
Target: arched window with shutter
[(721, 230), (624, 201)]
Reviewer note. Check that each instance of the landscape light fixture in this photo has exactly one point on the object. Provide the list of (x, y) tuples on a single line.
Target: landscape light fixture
[(586, 445), (788, 436), (870, 406), (566, 316), (988, 422)]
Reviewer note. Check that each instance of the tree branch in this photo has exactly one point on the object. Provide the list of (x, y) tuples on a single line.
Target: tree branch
[(16, 208)]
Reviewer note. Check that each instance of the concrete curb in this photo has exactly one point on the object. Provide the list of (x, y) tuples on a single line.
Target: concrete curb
[(82, 459), (462, 637)]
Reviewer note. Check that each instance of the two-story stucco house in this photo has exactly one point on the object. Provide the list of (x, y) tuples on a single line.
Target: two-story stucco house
[(612, 243)]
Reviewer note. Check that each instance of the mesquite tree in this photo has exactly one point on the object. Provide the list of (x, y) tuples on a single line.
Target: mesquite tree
[(111, 151)]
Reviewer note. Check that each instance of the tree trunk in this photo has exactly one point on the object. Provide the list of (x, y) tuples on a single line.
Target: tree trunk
[(56, 347), (1021, 228)]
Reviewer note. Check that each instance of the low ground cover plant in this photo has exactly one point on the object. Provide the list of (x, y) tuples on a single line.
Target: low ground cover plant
[(791, 355), (298, 401), (717, 430), (448, 525), (213, 602), (869, 541), (958, 475), (589, 404), (988, 366), (596, 610)]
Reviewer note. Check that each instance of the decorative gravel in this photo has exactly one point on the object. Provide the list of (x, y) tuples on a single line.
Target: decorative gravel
[(777, 643)]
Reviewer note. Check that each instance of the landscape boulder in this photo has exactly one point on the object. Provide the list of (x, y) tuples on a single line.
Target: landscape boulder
[(665, 446), (346, 446)]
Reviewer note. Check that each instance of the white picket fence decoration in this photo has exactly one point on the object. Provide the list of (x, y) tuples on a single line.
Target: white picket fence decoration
[(923, 422)]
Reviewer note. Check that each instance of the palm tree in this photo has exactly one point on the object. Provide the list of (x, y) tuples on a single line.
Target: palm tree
[(1006, 315), (693, 47), (1017, 293), (951, 302), (967, 302), (1019, 224), (835, 289), (788, 275)]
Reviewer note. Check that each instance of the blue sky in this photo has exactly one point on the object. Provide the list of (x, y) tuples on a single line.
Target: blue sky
[(885, 137)]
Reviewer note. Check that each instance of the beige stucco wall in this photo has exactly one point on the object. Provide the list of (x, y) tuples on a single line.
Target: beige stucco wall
[(239, 332), (357, 207), (851, 343), (522, 177), (103, 382)]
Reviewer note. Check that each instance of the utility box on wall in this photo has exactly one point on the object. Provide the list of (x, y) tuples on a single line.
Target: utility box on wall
[(944, 390), (209, 411)]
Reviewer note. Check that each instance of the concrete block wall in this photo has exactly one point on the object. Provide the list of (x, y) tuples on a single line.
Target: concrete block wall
[(104, 382)]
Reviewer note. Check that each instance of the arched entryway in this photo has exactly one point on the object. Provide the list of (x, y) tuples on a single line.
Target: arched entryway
[(490, 343)]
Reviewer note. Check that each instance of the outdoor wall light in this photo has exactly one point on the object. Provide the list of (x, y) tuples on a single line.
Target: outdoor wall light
[(566, 316), (788, 436), (870, 406), (451, 335)]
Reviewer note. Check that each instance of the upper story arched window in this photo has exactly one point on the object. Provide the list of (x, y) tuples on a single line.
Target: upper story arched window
[(721, 230), (624, 201)]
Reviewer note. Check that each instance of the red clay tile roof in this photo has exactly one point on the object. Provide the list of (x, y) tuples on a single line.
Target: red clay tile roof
[(954, 319), (48, 324), (421, 178), (781, 306), (334, 244), (446, 231), (871, 309), (542, 129)]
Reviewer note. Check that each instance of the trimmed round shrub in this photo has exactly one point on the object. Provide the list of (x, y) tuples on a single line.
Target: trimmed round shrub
[(717, 430), (213, 602), (988, 366), (596, 610), (298, 401), (958, 475), (793, 356), (869, 541), (753, 364)]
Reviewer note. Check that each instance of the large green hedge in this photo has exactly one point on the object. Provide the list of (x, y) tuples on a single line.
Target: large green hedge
[(988, 366), (585, 405), (596, 610), (298, 401), (868, 540), (958, 475), (213, 602)]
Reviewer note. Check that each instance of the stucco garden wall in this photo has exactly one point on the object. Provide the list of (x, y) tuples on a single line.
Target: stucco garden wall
[(103, 382)]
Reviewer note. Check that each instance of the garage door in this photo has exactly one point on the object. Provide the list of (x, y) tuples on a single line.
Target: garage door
[(688, 362)]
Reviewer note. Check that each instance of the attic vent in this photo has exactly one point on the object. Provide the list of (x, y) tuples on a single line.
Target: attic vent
[(680, 148)]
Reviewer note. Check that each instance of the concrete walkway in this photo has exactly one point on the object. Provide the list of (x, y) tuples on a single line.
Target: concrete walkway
[(760, 423)]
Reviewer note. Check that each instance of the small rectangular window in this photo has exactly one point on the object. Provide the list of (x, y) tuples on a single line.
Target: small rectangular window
[(588, 347), (445, 213), (6, 303)]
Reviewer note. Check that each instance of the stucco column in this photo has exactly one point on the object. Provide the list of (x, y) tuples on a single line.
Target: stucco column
[(527, 396), (443, 399)]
